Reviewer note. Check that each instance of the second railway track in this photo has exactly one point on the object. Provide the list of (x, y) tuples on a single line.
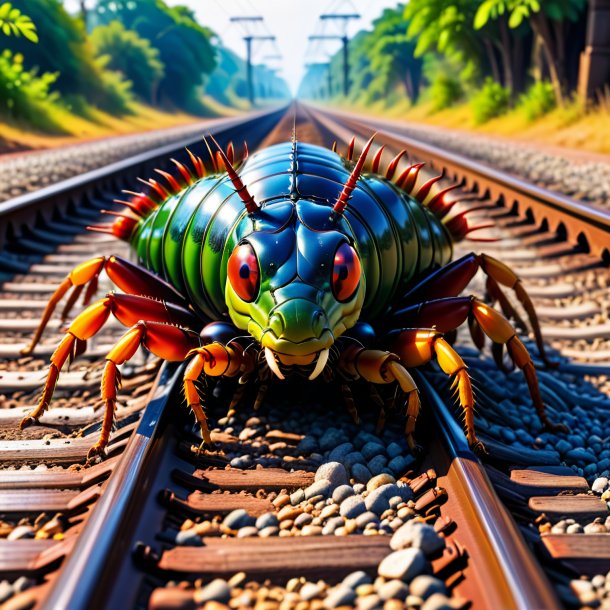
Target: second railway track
[(297, 507)]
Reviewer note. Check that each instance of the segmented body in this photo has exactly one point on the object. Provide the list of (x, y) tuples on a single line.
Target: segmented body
[(189, 237)]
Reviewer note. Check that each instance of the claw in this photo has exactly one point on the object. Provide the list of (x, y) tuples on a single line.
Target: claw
[(26, 422), (479, 449), (97, 449)]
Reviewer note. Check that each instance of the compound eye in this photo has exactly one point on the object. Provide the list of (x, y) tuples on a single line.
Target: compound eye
[(346, 272), (243, 272)]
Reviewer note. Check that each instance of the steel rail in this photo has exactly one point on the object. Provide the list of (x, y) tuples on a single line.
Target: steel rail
[(503, 572), (581, 223), (52, 201)]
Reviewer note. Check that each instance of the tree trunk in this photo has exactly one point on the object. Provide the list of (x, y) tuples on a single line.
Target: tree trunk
[(493, 62), (506, 56), (541, 28), (408, 82)]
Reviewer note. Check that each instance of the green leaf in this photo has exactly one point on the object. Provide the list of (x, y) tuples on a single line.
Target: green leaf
[(5, 9), (553, 11), (6, 28), (483, 14), (30, 34)]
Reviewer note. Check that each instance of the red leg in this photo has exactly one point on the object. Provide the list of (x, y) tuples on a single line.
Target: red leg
[(452, 279), (128, 277), (446, 314), (128, 309)]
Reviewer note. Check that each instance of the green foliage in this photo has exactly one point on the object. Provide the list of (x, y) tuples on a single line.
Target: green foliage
[(521, 10), (538, 100), (65, 50), (25, 95), (131, 55), (490, 101), (184, 46), (14, 22), (444, 91), (117, 91)]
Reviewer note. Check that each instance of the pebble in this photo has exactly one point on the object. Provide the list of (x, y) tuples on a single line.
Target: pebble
[(339, 453), (332, 438), (352, 507), (365, 518), (289, 513), (266, 520), (297, 497), (342, 492), (339, 596), (218, 590), (303, 519), (351, 459), (331, 525), (242, 462), (379, 480), (399, 465), (580, 454), (361, 473), (357, 579), (311, 530), (22, 531), (393, 450), (403, 565), (333, 472), (329, 511), (369, 602), (6, 591), (599, 485), (307, 445), (237, 519), (377, 464), (247, 532), (418, 535), (371, 449), (188, 538), (424, 586), (267, 532), (438, 601), (322, 487), (393, 589), (378, 500), (309, 591)]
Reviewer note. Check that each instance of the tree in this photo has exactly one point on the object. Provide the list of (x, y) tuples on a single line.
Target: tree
[(547, 19), (184, 46), (131, 55), (14, 22)]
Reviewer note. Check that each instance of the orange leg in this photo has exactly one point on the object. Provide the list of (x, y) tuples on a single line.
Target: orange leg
[(128, 277), (168, 342), (213, 360), (381, 367), (128, 309), (417, 347), (452, 279)]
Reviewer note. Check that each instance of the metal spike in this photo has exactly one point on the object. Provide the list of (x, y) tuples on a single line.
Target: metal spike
[(333, 148), (158, 188), (212, 156), (184, 172), (423, 191), (173, 183), (197, 164), (437, 204), (118, 215), (411, 179), (246, 153), (350, 185), (135, 209), (230, 153)]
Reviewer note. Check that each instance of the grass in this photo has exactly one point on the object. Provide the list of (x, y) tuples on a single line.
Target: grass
[(568, 127), (98, 124)]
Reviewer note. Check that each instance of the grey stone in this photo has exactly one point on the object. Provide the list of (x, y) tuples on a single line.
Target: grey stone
[(218, 591), (332, 524), (237, 519), (393, 450), (332, 438), (419, 535), (377, 464), (352, 507), (339, 596), (424, 586), (308, 445), (242, 462), (22, 531), (358, 488), (309, 591), (6, 591), (563, 446), (371, 449), (23, 583), (322, 487), (361, 473), (378, 500), (379, 480), (437, 601), (599, 485), (334, 472), (398, 465), (268, 532), (369, 602), (353, 458), (342, 492), (580, 455), (393, 589), (297, 497), (365, 518), (339, 453), (188, 538), (247, 532), (266, 520), (303, 519), (403, 565), (355, 579)]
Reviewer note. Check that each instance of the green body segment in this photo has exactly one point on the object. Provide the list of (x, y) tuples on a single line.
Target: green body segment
[(188, 239)]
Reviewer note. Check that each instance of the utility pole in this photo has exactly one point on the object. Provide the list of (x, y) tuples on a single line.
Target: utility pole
[(248, 39), (343, 19)]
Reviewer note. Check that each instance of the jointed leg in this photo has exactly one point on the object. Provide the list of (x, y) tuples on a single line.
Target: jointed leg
[(128, 277)]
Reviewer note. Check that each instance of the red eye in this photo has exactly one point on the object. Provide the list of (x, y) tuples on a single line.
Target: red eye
[(243, 272), (346, 272)]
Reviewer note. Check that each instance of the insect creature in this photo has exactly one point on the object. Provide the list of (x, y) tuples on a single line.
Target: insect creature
[(303, 263)]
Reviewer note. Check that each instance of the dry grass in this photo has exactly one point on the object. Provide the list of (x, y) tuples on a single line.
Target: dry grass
[(567, 127)]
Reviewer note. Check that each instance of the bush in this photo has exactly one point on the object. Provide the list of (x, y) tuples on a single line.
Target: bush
[(538, 100), (25, 95), (131, 55), (444, 91), (490, 101), (116, 96)]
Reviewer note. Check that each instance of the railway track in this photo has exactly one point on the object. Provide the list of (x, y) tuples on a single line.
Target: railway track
[(297, 507)]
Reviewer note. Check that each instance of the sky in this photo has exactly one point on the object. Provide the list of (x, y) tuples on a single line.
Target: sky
[(290, 21)]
